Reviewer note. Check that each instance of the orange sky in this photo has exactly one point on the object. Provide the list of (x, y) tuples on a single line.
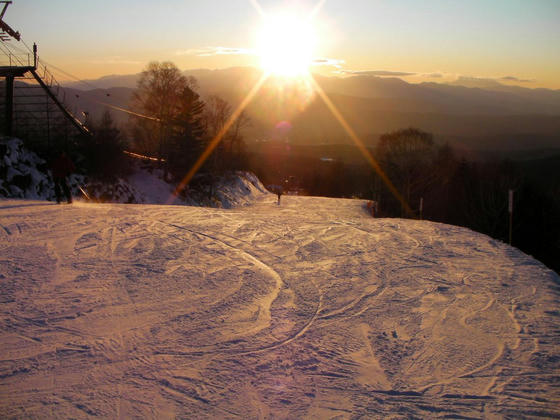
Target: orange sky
[(510, 41)]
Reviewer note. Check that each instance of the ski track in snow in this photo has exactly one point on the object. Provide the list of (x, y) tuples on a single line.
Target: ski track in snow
[(311, 309)]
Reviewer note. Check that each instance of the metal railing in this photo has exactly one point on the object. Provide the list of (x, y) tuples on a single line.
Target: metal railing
[(35, 115), (9, 59)]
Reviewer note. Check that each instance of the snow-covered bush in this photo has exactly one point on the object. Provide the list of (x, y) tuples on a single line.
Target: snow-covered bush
[(23, 174)]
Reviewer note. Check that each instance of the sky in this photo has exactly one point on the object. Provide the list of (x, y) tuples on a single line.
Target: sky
[(510, 41)]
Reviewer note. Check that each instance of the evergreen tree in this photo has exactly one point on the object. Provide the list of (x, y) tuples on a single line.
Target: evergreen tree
[(187, 133), (103, 152)]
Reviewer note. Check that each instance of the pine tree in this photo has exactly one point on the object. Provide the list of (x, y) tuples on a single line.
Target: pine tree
[(187, 133), (103, 152)]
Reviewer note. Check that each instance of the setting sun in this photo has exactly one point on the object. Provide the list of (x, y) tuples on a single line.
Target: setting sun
[(286, 45)]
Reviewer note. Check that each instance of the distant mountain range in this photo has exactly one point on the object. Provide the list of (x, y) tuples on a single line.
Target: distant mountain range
[(491, 116)]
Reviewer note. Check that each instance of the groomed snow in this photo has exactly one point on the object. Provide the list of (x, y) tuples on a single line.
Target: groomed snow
[(310, 309)]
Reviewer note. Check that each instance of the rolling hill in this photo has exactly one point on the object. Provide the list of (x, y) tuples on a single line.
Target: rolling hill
[(498, 117)]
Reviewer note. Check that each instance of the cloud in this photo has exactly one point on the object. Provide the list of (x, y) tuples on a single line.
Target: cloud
[(479, 82), (487, 82), (330, 62), (212, 51), (381, 73), (516, 79), (433, 75)]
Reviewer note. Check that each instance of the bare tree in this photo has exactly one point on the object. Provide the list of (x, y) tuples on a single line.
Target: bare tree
[(157, 101), (228, 153), (236, 143), (406, 155), (218, 112)]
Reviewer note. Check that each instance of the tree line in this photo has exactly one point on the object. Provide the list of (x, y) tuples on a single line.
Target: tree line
[(170, 122)]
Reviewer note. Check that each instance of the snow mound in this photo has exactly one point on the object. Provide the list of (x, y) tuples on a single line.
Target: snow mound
[(150, 186), (240, 189), (119, 191), (236, 189)]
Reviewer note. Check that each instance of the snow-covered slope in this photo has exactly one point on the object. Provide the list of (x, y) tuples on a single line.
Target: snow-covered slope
[(232, 190), (311, 309)]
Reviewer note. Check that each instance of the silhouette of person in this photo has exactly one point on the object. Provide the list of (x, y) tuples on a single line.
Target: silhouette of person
[(279, 192), (61, 167)]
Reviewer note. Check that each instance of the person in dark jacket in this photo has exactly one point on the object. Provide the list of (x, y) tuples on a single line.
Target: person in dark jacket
[(61, 167), (279, 191)]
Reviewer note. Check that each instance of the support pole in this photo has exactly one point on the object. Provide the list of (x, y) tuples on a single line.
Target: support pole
[(510, 208), (9, 105), (48, 124)]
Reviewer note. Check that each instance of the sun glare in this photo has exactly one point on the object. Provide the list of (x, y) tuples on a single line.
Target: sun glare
[(286, 45)]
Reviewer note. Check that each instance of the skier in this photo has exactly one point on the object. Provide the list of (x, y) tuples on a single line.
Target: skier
[(279, 191), (61, 168)]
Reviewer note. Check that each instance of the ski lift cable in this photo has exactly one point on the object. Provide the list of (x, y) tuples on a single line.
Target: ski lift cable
[(27, 46), (128, 111), (65, 73), (9, 46), (115, 107), (6, 49), (30, 50), (15, 47)]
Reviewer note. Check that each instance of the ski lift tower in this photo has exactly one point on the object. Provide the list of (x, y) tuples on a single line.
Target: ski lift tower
[(12, 70), (17, 66)]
